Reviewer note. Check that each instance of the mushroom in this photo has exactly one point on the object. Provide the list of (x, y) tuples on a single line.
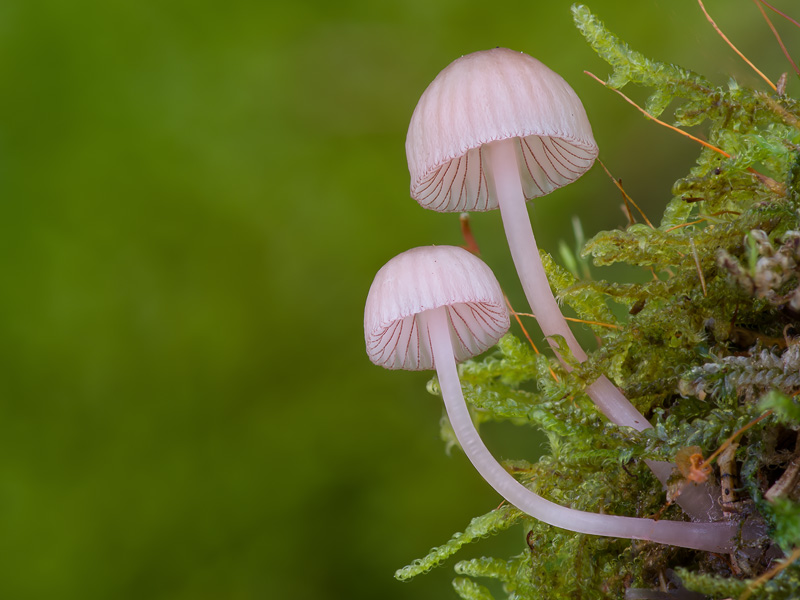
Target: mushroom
[(432, 306), (493, 129)]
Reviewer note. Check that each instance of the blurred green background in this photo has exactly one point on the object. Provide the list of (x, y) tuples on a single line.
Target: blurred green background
[(195, 198)]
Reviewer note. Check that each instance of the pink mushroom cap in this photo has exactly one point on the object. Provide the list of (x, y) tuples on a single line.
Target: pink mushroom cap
[(411, 285), (488, 96)]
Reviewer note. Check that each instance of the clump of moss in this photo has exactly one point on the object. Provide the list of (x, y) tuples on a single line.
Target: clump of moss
[(708, 346)]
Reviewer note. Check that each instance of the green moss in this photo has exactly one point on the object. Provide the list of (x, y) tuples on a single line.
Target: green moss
[(704, 350)]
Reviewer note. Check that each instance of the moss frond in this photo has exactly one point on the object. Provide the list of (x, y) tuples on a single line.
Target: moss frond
[(480, 527)]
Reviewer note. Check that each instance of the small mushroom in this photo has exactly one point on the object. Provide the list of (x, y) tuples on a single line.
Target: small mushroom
[(494, 129), (421, 287), (432, 306)]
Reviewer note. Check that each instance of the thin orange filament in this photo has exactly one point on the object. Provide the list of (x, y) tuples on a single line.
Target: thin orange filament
[(526, 334), (686, 224), (625, 195), (731, 439), (784, 15), (660, 122), (734, 48), (767, 181), (600, 324), (777, 37), (697, 264)]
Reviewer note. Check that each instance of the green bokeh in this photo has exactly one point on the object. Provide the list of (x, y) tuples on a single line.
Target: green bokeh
[(195, 197)]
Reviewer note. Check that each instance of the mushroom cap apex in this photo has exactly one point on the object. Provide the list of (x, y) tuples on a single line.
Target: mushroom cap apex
[(487, 96)]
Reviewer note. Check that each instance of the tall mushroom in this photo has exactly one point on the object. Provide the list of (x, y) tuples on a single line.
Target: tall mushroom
[(493, 129), (431, 306)]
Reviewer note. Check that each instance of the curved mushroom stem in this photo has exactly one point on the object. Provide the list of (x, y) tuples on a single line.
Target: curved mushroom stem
[(712, 537)]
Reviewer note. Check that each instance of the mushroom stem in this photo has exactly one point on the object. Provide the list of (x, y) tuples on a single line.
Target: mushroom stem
[(712, 537), (501, 158)]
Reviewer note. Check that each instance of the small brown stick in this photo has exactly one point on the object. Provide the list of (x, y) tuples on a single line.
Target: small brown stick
[(697, 264), (625, 195), (782, 84), (734, 48), (727, 478), (770, 574), (730, 440), (700, 469), (626, 210), (471, 244), (788, 480), (662, 580), (780, 41)]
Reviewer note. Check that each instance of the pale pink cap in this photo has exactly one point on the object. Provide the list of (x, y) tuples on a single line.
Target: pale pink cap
[(487, 96), (420, 280)]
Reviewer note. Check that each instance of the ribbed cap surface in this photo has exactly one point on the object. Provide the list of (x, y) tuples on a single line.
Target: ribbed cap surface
[(487, 96), (423, 279)]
